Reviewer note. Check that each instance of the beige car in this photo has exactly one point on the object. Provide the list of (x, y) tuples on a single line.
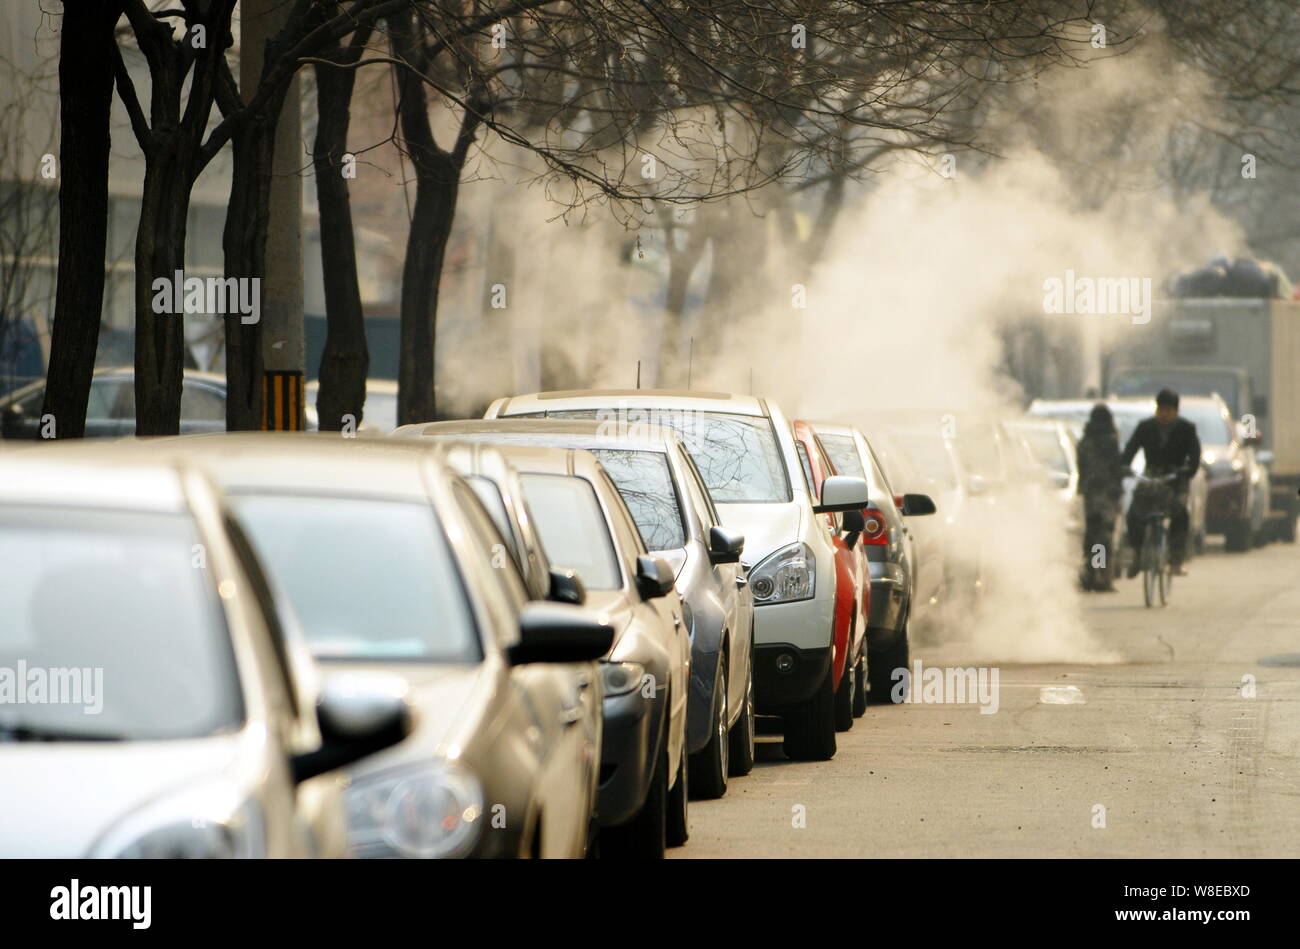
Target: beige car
[(393, 566)]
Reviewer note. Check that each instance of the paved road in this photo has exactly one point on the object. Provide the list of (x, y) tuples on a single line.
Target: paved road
[(1183, 764)]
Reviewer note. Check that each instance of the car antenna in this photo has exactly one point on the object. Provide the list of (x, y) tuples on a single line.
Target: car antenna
[(638, 373)]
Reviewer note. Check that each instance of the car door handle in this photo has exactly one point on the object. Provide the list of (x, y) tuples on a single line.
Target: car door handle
[(570, 714), (677, 622), (742, 581)]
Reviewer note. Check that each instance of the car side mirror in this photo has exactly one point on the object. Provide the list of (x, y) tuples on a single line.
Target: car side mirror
[(558, 632), (853, 523), (842, 493), (915, 505), (724, 545), (567, 587), (654, 578), (359, 714)]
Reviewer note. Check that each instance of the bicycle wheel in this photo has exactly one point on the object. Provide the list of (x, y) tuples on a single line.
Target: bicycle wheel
[(1162, 568)]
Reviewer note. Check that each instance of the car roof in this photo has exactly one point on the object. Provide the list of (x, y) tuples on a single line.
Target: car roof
[(574, 433), (79, 474), (634, 398), (300, 462)]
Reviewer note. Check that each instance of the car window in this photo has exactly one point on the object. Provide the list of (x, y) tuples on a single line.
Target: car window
[(807, 467), (697, 481), (201, 404), (111, 397), (738, 455), (489, 495), (122, 596), (371, 579), (645, 483), (508, 592), (572, 528)]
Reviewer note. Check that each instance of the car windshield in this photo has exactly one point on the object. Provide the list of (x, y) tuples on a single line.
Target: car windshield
[(572, 528), (1211, 427), (1045, 448), (370, 579), (646, 484), (737, 455), (111, 629), (844, 456), (929, 456)]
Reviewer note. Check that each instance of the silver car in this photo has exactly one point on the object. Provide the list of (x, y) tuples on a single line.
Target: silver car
[(152, 702), (393, 566), (677, 521)]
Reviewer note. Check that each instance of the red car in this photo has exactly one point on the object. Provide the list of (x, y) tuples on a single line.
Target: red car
[(852, 585)]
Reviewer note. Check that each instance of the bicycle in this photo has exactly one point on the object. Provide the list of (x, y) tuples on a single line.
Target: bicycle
[(1155, 495)]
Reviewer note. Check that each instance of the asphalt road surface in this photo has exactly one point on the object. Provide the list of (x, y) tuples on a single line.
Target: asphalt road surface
[(1180, 760)]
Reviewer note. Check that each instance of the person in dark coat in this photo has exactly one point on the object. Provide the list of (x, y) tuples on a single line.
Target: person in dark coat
[(1171, 446), (1101, 472)]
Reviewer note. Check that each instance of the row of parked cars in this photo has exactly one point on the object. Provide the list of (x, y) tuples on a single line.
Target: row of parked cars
[(541, 633)]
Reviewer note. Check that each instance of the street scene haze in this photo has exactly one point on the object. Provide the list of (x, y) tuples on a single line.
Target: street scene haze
[(613, 429)]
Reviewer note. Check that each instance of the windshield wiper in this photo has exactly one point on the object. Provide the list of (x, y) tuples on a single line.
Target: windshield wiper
[(24, 733)]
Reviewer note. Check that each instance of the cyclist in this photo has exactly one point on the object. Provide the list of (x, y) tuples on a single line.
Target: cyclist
[(1171, 447), (1101, 484)]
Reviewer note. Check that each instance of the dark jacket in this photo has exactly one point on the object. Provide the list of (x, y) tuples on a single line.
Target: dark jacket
[(1172, 449), (1101, 471)]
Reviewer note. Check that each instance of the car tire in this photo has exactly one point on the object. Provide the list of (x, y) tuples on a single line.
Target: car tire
[(1237, 538), (645, 836), (810, 728), (678, 829), (860, 687), (844, 698), (709, 765), (741, 734), (881, 665)]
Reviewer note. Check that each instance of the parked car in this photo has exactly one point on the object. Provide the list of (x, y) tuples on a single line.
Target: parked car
[(586, 527), (196, 728), (897, 562), (110, 409), (852, 584), (1238, 484), (744, 449), (1128, 412), (393, 565)]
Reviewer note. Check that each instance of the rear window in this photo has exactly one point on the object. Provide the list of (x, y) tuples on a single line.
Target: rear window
[(572, 528), (116, 613), (646, 485)]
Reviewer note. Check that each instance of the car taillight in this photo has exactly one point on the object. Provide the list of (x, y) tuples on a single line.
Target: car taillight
[(876, 528)]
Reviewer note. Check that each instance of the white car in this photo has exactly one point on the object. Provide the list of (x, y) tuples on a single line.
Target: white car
[(177, 714), (744, 448)]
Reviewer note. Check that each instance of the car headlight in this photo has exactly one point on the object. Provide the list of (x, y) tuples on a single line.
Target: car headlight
[(196, 825), (621, 677), (789, 574), (429, 813)]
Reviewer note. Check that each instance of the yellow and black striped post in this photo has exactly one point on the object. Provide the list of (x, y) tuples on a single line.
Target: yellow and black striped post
[(282, 401)]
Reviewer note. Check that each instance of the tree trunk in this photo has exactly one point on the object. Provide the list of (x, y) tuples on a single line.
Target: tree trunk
[(160, 253), (437, 174), (85, 105), (345, 362), (244, 248)]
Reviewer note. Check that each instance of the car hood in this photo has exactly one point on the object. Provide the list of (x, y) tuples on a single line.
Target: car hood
[(767, 527), (72, 793)]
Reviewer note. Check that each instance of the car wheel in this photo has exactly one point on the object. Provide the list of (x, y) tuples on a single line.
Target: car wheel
[(709, 764), (881, 666), (1237, 538), (645, 835), (844, 698), (678, 828), (810, 728), (860, 687), (741, 736)]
